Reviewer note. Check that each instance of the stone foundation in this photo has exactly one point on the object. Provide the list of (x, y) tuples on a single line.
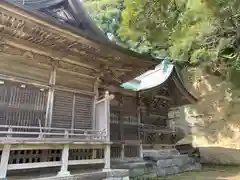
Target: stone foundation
[(111, 174), (158, 163)]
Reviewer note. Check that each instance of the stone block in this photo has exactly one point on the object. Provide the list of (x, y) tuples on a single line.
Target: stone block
[(179, 161), (160, 154), (168, 171), (140, 172), (117, 178), (192, 167), (160, 163), (118, 173)]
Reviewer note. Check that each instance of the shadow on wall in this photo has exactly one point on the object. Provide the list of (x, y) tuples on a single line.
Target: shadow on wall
[(215, 120)]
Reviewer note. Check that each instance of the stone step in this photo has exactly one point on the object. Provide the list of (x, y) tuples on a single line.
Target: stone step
[(158, 163), (171, 151), (126, 160), (178, 169), (178, 161), (135, 165), (160, 154)]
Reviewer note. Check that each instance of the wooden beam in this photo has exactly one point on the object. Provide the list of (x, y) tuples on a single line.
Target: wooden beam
[(84, 92), (79, 74), (19, 19), (47, 52), (115, 89), (157, 116), (52, 164), (24, 81), (163, 97)]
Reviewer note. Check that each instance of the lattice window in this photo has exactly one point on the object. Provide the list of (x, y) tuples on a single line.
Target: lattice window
[(115, 151), (85, 154), (131, 151), (115, 133), (34, 156), (71, 110), (22, 105), (114, 116), (62, 110), (131, 132), (83, 112)]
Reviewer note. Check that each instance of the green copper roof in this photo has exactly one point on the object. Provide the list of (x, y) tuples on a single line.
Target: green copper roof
[(151, 78)]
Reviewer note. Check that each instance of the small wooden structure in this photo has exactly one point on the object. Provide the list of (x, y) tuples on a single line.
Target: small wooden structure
[(55, 69), (139, 119)]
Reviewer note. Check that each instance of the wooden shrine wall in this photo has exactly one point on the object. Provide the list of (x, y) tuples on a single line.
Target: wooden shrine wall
[(24, 91), (74, 108), (22, 105), (124, 118), (124, 127), (155, 104)]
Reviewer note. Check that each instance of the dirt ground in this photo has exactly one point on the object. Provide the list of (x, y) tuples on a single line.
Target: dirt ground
[(209, 173)]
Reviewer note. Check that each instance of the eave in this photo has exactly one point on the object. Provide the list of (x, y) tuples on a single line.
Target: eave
[(165, 74), (34, 32)]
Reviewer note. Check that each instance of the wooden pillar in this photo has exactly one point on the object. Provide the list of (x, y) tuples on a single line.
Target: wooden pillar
[(94, 154), (73, 113), (107, 150), (64, 167), (122, 151), (96, 92), (141, 150), (4, 161), (50, 100), (139, 126), (107, 157), (121, 122)]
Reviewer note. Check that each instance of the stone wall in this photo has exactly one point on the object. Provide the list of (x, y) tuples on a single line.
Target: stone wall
[(212, 124), (157, 163)]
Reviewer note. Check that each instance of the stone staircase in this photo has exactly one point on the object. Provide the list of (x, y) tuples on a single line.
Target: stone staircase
[(158, 163)]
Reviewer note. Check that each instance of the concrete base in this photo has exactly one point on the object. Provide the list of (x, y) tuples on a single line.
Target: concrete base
[(84, 176), (111, 174), (63, 174), (106, 170)]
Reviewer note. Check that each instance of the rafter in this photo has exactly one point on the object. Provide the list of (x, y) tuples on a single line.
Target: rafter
[(163, 97)]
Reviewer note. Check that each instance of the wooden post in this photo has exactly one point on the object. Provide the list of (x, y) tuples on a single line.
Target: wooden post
[(107, 156), (73, 113), (96, 85), (107, 150), (50, 100), (4, 161), (141, 150), (121, 124), (139, 126), (94, 154), (122, 151), (64, 167)]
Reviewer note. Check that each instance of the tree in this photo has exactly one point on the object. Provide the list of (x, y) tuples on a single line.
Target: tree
[(191, 32), (107, 15)]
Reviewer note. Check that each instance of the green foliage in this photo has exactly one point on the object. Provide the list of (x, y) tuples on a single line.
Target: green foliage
[(191, 32), (106, 13)]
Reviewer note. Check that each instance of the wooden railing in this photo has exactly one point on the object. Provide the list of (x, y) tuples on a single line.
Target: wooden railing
[(160, 146), (153, 128), (27, 134)]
